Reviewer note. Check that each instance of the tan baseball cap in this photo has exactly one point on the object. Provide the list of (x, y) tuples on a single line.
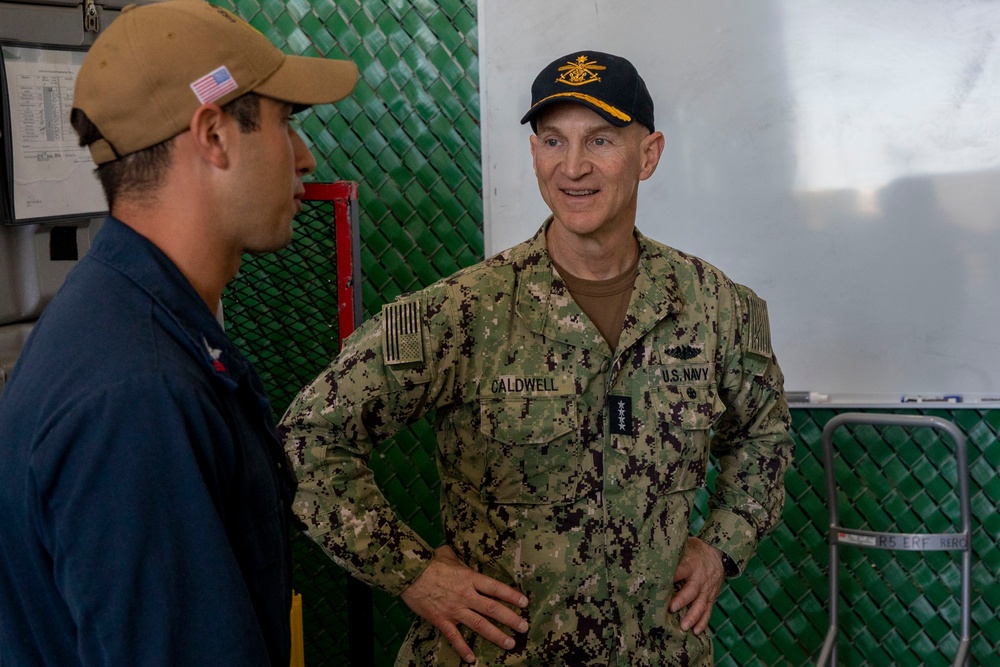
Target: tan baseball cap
[(145, 76)]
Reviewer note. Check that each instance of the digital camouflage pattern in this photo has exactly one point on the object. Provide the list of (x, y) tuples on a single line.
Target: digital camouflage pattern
[(568, 471)]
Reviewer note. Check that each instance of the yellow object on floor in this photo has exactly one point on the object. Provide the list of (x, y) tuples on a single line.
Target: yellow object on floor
[(298, 652)]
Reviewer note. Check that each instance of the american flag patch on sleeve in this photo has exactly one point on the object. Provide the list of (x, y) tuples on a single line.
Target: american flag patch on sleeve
[(760, 332), (213, 85), (402, 328)]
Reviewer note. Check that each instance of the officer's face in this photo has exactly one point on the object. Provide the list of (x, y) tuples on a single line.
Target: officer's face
[(589, 170)]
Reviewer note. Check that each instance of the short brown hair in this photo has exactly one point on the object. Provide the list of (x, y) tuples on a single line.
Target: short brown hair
[(137, 174)]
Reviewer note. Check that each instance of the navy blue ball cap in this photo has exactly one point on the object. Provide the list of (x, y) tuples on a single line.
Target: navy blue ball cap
[(609, 85)]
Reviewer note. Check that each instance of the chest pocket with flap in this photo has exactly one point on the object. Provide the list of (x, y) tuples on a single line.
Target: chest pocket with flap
[(533, 450)]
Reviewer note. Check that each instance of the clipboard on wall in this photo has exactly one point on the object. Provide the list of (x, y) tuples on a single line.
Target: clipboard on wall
[(45, 176)]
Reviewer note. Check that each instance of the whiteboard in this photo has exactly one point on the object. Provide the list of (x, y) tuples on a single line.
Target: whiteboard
[(842, 158)]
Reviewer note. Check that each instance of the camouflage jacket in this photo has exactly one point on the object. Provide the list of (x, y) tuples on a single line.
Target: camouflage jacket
[(568, 470)]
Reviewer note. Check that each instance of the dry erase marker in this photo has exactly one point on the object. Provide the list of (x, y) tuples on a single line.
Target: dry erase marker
[(806, 397), (946, 398)]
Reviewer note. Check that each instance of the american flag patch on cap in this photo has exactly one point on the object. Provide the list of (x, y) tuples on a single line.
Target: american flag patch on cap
[(213, 85)]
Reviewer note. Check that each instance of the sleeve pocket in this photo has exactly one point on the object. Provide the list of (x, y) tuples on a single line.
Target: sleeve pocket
[(685, 415)]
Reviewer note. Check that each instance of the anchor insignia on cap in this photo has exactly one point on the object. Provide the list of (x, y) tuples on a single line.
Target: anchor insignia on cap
[(580, 72)]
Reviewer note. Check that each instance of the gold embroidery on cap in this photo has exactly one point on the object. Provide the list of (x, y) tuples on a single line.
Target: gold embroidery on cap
[(614, 111), (580, 73)]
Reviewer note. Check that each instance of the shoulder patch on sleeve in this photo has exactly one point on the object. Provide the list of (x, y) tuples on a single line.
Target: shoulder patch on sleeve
[(402, 333), (758, 330)]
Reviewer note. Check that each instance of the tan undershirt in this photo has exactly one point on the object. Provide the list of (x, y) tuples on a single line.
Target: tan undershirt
[(605, 302)]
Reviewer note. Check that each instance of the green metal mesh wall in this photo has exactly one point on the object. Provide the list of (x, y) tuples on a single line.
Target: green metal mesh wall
[(410, 137)]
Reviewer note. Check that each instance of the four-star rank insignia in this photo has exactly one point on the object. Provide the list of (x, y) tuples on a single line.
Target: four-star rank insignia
[(580, 72), (620, 414)]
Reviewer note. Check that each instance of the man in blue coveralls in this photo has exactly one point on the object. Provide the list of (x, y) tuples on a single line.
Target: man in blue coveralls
[(144, 495)]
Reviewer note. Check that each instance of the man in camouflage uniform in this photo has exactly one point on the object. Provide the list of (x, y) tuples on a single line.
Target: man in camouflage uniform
[(580, 381)]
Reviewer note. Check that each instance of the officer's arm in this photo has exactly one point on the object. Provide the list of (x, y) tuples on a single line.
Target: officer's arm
[(391, 372), (751, 442), (329, 432)]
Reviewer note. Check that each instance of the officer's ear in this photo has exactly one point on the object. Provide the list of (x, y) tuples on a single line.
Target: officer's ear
[(533, 140), (651, 148)]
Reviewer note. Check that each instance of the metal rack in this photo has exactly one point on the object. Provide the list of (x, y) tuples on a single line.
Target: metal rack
[(956, 541)]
